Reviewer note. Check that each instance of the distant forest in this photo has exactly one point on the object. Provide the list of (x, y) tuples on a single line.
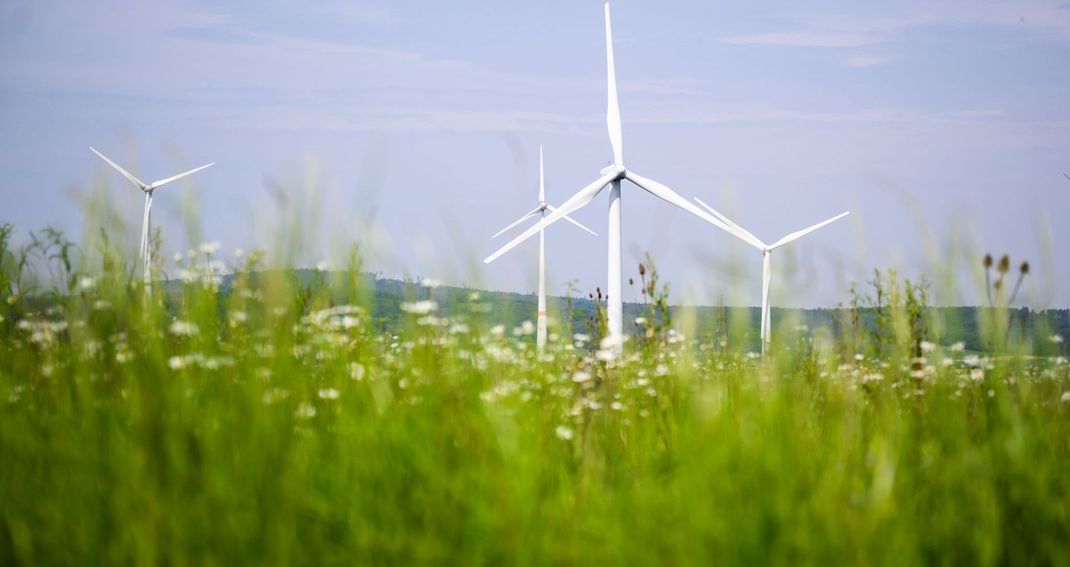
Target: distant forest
[(956, 324)]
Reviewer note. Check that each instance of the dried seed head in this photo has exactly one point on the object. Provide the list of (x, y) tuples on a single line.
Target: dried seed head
[(998, 284), (988, 260), (1004, 264), (642, 269), (1024, 268), (631, 281)]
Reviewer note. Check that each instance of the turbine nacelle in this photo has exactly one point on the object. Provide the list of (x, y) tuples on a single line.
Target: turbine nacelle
[(616, 170)]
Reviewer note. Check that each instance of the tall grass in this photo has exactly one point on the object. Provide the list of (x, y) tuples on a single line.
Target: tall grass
[(264, 419)]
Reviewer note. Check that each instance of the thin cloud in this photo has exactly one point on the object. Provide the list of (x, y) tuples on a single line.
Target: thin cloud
[(866, 60), (805, 39)]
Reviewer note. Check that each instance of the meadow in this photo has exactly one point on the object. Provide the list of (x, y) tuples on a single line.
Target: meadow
[(262, 418)]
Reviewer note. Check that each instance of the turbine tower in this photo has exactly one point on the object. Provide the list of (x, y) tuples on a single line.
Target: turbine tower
[(145, 250), (611, 176), (540, 211), (767, 251)]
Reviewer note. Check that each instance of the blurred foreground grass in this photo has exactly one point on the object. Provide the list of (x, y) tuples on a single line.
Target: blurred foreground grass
[(276, 424)]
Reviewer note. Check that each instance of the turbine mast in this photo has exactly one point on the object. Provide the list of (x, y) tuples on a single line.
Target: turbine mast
[(614, 302)]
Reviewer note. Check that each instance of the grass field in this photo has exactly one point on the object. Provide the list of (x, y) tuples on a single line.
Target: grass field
[(276, 424)]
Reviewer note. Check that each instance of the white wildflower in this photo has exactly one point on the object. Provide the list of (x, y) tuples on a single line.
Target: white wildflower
[(605, 355), (610, 342), (926, 346), (581, 377), (419, 307), (86, 283), (431, 284), (238, 252), (177, 257), (356, 371), (958, 347), (1056, 339), (977, 374), (1065, 397), (328, 394), (429, 321), (305, 411), (640, 321), (176, 362), (183, 328), (209, 248), (616, 406), (497, 330), (873, 377), (238, 317), (563, 432)]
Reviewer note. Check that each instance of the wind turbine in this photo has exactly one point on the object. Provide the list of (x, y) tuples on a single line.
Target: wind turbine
[(767, 251), (540, 210), (145, 250), (611, 176)]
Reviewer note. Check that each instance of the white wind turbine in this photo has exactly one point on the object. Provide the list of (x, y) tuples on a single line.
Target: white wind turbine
[(540, 211), (145, 250), (611, 176), (767, 251)]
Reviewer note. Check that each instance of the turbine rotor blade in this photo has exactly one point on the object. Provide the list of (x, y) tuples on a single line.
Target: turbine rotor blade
[(577, 201), (616, 138), (526, 216), (800, 233), (165, 181), (572, 220), (739, 232), (666, 194), (141, 184), (542, 182)]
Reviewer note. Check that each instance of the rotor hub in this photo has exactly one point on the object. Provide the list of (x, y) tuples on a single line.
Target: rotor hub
[(615, 168)]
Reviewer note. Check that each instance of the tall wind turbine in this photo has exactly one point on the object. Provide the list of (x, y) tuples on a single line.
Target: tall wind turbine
[(767, 251), (145, 250), (540, 211), (611, 176)]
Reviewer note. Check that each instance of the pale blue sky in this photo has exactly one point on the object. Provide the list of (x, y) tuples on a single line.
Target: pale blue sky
[(941, 122)]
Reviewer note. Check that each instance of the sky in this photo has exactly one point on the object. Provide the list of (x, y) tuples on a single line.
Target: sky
[(412, 130)]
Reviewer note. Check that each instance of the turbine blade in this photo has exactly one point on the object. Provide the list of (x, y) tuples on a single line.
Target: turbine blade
[(526, 216), (663, 192), (739, 232), (141, 185), (800, 233), (613, 108), (156, 184), (575, 202), (542, 182), (572, 220)]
